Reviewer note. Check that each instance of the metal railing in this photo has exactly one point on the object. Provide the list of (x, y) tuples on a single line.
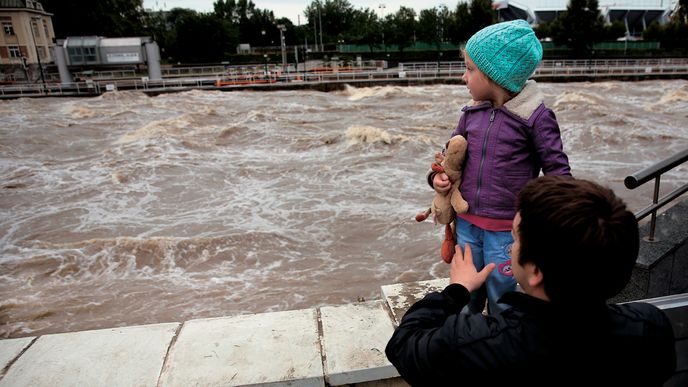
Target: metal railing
[(208, 76), (655, 171)]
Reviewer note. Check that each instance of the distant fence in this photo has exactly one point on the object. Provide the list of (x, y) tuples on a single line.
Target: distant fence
[(446, 46), (321, 74)]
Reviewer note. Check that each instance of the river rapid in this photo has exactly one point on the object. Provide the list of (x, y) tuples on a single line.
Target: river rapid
[(126, 209)]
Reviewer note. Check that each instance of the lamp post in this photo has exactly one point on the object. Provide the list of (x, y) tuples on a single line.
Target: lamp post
[(35, 19), (322, 47), (382, 21), (283, 28)]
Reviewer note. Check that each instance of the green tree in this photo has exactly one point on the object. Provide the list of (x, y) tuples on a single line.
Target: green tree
[(336, 16), (403, 28), (109, 18), (543, 30), (579, 27), (613, 31), (434, 25), (673, 35), (366, 29), (460, 24), (256, 27), (481, 15), (160, 30), (680, 16), (200, 38)]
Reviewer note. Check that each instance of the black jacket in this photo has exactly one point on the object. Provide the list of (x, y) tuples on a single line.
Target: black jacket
[(535, 342)]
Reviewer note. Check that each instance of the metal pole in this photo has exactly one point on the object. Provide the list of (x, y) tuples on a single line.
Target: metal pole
[(322, 48), (382, 23), (282, 28), (38, 54), (315, 33), (653, 218)]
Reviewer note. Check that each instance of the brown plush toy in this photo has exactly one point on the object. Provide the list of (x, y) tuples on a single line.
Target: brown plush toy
[(445, 207)]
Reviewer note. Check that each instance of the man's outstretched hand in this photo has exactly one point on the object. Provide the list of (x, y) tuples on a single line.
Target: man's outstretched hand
[(463, 270)]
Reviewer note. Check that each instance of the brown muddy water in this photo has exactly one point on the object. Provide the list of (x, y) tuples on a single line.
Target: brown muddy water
[(126, 209)]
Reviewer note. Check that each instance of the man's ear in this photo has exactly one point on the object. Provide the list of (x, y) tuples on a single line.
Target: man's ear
[(535, 276)]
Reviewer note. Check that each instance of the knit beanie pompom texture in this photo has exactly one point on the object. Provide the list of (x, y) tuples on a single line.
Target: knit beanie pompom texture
[(508, 53)]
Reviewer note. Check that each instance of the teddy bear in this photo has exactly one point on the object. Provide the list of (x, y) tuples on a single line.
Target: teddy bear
[(445, 207)]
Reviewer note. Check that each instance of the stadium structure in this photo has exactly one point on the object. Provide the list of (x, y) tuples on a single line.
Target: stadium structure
[(635, 14)]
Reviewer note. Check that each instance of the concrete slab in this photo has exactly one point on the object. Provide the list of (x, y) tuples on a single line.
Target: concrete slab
[(11, 348), (400, 297), (269, 349), (354, 340), (129, 356)]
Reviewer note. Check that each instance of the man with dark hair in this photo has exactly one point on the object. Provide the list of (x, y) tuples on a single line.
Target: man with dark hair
[(575, 245)]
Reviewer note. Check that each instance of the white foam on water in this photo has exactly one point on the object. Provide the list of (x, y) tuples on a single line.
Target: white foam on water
[(126, 209)]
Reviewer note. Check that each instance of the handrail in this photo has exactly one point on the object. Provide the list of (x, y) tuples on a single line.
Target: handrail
[(655, 171), (567, 69)]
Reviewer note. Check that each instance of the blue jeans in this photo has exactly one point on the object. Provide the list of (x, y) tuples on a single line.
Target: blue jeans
[(488, 246)]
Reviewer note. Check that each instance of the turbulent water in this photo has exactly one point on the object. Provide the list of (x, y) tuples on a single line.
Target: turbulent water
[(126, 209)]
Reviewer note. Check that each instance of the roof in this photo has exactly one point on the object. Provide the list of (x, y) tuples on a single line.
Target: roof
[(637, 14), (21, 4)]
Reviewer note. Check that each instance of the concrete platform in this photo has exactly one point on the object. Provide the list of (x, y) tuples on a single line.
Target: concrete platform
[(269, 349), (354, 339), (400, 297), (130, 356), (11, 349), (334, 345)]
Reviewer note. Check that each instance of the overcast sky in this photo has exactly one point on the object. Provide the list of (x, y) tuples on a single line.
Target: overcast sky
[(292, 8)]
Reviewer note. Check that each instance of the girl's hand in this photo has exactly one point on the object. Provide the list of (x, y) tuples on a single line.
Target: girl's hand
[(441, 183)]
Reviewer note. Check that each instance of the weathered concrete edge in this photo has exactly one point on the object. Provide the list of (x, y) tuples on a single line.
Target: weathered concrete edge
[(174, 356)]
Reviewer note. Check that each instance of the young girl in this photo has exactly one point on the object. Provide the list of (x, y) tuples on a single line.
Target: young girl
[(511, 137)]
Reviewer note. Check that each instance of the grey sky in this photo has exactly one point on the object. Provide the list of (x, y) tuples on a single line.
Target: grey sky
[(292, 8)]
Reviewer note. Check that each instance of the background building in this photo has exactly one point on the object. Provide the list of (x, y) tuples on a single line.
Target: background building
[(97, 52), (25, 40), (636, 14)]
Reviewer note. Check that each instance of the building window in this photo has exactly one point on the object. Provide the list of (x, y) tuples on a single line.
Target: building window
[(45, 29), (7, 26), (76, 55), (15, 52), (90, 54), (41, 52), (36, 31), (81, 54)]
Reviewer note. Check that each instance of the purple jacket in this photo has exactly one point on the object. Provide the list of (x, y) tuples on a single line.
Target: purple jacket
[(507, 147)]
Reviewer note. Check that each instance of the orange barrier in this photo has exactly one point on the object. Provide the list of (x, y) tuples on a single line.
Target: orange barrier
[(220, 83), (342, 69)]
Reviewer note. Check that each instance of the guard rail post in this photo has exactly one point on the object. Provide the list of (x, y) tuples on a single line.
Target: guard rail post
[(655, 171)]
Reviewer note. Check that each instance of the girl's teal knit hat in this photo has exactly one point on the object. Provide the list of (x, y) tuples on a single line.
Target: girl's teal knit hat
[(507, 52)]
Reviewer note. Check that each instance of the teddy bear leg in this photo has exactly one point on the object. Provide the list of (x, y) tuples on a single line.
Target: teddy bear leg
[(459, 204), (448, 244), (421, 216), (442, 208)]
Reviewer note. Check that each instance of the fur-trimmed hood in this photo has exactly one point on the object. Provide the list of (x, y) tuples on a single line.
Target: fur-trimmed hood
[(523, 104)]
